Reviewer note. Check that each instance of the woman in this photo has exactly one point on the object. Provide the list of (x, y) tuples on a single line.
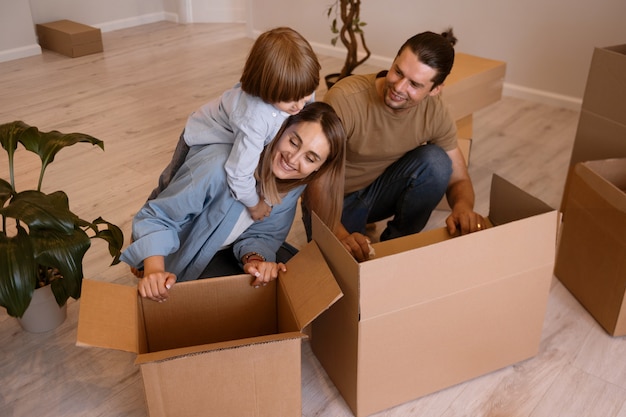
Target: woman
[(176, 234)]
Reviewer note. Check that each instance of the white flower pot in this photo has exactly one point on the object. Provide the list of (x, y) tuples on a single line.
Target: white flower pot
[(43, 312)]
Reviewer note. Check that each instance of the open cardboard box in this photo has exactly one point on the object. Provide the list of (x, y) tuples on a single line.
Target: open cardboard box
[(218, 346), (430, 311), (591, 260), (601, 131)]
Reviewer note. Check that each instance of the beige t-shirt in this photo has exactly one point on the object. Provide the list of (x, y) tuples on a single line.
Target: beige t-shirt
[(376, 137)]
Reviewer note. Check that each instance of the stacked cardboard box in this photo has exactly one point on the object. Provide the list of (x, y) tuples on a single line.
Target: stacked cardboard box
[(430, 311), (69, 38), (473, 83), (591, 260)]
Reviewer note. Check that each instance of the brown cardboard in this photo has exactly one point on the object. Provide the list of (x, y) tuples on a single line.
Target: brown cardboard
[(218, 346), (464, 127), (601, 131), (591, 260), (473, 83), (69, 38), (430, 311)]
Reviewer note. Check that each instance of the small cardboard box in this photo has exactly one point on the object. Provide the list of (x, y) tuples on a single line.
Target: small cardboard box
[(218, 346), (473, 83), (69, 38), (591, 260), (601, 131), (430, 311)]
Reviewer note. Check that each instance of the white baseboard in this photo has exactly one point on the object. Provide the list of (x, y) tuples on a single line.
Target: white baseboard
[(137, 21), (541, 96), (21, 52)]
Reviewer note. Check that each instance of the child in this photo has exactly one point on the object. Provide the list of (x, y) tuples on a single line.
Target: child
[(280, 76)]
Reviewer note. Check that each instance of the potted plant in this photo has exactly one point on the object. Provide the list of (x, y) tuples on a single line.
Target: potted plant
[(347, 26), (42, 242)]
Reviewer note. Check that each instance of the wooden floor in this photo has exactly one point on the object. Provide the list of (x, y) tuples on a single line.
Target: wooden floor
[(136, 97)]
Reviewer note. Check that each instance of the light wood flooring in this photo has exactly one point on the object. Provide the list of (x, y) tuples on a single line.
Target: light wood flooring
[(136, 97)]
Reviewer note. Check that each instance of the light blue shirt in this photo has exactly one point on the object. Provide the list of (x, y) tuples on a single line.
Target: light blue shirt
[(190, 220), (244, 121)]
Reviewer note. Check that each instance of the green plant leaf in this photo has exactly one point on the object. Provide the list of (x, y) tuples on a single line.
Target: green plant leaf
[(41, 211), (44, 144), (64, 252), (5, 192), (18, 272), (48, 144), (112, 235)]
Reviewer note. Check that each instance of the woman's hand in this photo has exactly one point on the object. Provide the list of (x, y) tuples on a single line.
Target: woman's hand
[(263, 272), (156, 285), (156, 282)]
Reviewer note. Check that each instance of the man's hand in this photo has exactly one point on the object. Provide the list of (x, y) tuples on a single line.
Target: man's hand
[(464, 220), (357, 244)]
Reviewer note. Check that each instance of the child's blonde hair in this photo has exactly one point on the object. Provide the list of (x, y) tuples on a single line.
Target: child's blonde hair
[(281, 66)]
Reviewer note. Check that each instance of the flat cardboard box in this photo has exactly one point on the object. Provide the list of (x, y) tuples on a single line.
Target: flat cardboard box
[(473, 83), (218, 346), (601, 131), (69, 38), (430, 311), (591, 260)]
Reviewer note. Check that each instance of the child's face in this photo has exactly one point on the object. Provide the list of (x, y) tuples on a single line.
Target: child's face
[(293, 107), (301, 150)]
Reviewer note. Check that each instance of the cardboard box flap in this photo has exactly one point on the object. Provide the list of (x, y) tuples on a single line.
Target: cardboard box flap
[(508, 203), (309, 285), (605, 89), (109, 317), (172, 354)]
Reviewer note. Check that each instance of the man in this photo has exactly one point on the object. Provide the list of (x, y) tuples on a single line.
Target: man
[(402, 154)]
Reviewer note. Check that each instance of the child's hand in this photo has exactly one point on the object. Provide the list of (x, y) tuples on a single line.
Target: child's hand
[(260, 211)]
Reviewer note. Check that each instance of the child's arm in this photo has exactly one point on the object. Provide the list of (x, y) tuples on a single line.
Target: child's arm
[(260, 211)]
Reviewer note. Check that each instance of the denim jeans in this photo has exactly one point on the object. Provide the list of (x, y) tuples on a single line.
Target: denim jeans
[(409, 190)]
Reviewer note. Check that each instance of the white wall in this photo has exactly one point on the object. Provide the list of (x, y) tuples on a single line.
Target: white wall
[(17, 34), (547, 44)]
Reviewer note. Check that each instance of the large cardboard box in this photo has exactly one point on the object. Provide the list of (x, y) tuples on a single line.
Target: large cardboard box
[(218, 346), (473, 83), (591, 261), (69, 38), (601, 131), (430, 311)]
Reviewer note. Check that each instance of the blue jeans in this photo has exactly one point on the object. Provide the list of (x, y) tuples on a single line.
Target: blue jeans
[(409, 190)]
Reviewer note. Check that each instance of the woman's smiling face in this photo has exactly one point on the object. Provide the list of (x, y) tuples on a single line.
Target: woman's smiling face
[(301, 150)]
